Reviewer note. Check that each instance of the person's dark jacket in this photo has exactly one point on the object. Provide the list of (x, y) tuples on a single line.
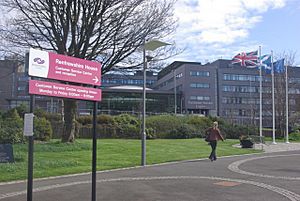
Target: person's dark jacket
[(214, 134)]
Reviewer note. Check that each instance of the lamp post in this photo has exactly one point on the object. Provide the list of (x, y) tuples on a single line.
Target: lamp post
[(151, 46), (175, 94)]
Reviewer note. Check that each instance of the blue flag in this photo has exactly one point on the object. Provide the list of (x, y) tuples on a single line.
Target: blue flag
[(266, 63), (279, 66)]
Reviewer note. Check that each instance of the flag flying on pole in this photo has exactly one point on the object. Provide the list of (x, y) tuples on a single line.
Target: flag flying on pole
[(248, 60), (279, 66), (266, 63)]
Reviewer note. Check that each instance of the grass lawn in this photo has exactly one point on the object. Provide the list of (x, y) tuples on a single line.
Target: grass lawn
[(55, 158)]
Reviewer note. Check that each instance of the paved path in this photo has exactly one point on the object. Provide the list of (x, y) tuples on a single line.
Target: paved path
[(280, 146), (274, 175)]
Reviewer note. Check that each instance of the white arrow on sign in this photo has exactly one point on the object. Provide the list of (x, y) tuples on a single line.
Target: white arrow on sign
[(96, 79)]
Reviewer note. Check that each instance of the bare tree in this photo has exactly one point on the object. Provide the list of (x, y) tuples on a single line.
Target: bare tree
[(108, 31)]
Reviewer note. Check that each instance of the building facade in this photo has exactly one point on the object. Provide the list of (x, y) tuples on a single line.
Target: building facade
[(228, 91)]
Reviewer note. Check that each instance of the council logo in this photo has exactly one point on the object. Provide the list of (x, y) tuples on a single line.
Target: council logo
[(39, 60)]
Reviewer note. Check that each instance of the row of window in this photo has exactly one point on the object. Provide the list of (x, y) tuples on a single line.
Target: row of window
[(239, 100), (236, 77), (250, 101), (199, 85), (199, 73), (127, 81), (254, 89), (241, 89), (199, 98), (244, 113)]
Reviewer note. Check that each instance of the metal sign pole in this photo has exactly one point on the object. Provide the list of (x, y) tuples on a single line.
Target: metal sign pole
[(94, 157), (30, 146)]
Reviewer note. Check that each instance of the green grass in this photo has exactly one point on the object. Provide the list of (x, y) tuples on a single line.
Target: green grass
[(55, 158)]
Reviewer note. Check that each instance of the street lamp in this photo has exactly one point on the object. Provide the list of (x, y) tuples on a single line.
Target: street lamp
[(150, 45)]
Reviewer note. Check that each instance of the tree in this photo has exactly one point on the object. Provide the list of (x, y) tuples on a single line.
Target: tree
[(108, 31)]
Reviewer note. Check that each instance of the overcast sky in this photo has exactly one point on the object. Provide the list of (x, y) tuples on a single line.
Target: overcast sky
[(213, 29)]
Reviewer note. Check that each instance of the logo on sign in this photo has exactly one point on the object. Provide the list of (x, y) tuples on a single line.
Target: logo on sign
[(38, 63), (39, 60)]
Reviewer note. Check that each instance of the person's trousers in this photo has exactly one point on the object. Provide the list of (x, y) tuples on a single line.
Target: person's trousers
[(213, 145)]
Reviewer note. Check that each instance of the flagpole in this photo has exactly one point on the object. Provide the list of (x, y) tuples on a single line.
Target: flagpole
[(273, 97), (260, 95), (287, 104)]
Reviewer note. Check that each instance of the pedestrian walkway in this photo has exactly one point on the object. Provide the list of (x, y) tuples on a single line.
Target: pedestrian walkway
[(278, 147), (268, 147)]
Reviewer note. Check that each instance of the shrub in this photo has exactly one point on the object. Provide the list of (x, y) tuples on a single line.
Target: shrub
[(184, 131), (105, 119), (163, 124), (127, 126), (22, 109), (39, 112), (42, 129), (200, 124), (11, 128), (85, 120), (233, 131), (150, 133), (294, 136)]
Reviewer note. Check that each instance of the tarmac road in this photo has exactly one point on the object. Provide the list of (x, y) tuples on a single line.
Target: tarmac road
[(271, 176)]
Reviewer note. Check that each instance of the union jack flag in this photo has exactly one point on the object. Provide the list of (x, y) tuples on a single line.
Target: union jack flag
[(249, 60)]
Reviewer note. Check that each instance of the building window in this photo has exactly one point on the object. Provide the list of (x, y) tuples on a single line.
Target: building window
[(242, 89), (23, 78), (199, 85), (199, 73), (236, 77), (200, 98), (21, 88)]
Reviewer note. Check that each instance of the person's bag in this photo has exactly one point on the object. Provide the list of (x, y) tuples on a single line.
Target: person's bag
[(207, 138)]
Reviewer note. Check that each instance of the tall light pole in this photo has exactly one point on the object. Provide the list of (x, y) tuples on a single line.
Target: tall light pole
[(175, 94), (151, 46)]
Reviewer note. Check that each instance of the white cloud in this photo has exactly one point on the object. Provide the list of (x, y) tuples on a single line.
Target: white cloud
[(211, 24)]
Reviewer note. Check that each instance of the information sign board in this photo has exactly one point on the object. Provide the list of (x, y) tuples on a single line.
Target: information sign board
[(60, 67), (63, 90), (28, 124), (6, 153)]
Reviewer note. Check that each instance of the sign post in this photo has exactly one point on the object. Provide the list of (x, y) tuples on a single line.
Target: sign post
[(65, 68)]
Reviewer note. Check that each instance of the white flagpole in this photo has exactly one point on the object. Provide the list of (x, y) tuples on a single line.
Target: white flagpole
[(260, 95), (273, 97), (287, 104)]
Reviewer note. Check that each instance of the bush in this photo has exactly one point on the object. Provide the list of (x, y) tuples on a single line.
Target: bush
[(127, 126), (200, 124), (42, 129), (233, 131), (150, 133), (105, 119), (184, 131), (85, 120), (39, 112), (22, 109), (294, 136), (163, 124), (11, 128)]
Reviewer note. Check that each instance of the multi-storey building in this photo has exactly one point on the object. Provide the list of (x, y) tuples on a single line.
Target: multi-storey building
[(228, 91)]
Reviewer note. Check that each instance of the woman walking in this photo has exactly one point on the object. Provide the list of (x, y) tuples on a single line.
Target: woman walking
[(214, 135)]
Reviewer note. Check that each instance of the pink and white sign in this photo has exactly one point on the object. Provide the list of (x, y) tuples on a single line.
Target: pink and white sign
[(61, 67), (63, 90)]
